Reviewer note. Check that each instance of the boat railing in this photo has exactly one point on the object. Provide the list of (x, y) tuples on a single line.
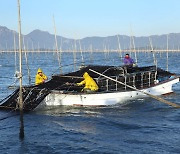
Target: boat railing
[(137, 80)]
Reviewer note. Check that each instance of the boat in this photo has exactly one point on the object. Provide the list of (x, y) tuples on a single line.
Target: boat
[(117, 84)]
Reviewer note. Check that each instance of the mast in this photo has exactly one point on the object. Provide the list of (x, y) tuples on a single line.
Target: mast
[(20, 59)]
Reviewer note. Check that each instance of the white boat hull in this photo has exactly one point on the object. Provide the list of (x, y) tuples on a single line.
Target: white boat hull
[(56, 98)]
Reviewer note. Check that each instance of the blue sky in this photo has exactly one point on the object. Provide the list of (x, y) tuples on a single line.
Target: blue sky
[(85, 18)]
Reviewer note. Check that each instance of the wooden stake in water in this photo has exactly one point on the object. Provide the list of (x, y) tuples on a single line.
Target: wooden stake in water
[(26, 58), (15, 53), (119, 47), (82, 58), (21, 135), (105, 52), (167, 54), (153, 52), (58, 54), (91, 54), (21, 131), (74, 54), (133, 45)]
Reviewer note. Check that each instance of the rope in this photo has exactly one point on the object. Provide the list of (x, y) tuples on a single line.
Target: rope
[(13, 84)]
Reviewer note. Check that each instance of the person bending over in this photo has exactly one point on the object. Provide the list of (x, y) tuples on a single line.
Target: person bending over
[(90, 84)]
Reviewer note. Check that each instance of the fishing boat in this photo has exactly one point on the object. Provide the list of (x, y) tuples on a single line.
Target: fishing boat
[(117, 84)]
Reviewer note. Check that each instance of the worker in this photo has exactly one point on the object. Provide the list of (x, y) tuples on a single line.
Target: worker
[(128, 61), (90, 84), (40, 77)]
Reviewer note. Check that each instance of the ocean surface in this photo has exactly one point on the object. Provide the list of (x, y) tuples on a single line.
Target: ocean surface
[(139, 126)]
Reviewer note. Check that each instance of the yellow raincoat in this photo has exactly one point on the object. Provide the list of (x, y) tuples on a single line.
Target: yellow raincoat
[(88, 82), (40, 77)]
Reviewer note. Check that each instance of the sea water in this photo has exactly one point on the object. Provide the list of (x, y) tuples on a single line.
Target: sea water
[(138, 126)]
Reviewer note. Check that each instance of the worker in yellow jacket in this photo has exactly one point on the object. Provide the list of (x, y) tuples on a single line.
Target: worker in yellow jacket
[(90, 84), (40, 77)]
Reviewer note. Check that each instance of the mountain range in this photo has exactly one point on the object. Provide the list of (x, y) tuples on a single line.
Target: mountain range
[(43, 40)]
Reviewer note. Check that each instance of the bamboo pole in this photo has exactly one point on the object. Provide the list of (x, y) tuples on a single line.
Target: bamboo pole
[(91, 53), (154, 57), (119, 46), (20, 58), (153, 96), (21, 133), (82, 58), (15, 58), (133, 44), (74, 54), (58, 55), (134, 49), (105, 51), (130, 46), (167, 54), (26, 58)]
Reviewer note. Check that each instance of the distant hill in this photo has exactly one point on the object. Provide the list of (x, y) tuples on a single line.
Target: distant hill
[(42, 40)]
